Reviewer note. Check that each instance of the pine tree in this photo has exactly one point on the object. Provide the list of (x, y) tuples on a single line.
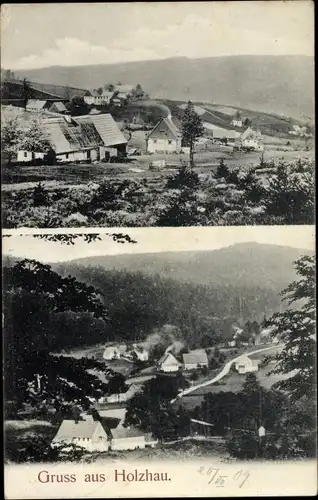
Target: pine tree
[(192, 130), (296, 328)]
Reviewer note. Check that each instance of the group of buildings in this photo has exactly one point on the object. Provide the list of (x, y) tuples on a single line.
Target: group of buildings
[(166, 137), (118, 96), (88, 138), (124, 351), (190, 361), (107, 433)]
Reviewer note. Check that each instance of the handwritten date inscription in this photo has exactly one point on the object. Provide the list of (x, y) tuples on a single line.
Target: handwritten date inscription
[(215, 477)]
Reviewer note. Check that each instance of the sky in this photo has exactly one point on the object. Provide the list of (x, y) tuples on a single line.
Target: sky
[(158, 240), (42, 35)]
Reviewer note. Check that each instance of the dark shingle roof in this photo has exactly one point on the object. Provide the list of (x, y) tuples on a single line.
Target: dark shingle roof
[(107, 129)]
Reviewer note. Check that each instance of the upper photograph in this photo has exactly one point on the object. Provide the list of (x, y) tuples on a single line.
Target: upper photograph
[(157, 114)]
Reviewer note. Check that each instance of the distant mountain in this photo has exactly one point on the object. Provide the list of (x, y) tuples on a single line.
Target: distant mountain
[(274, 84), (246, 265)]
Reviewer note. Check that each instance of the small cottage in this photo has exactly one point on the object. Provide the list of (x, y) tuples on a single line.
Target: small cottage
[(58, 107), (246, 365), (165, 137), (195, 359), (168, 363), (36, 105), (87, 433), (237, 122), (141, 353), (251, 139)]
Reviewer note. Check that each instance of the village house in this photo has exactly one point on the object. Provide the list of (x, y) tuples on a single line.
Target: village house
[(36, 105), (115, 351), (165, 137), (194, 359), (251, 139), (245, 364), (130, 438), (87, 433), (123, 397), (140, 352), (94, 98), (124, 91), (107, 96), (237, 122), (98, 99), (84, 138), (299, 131), (127, 438), (168, 363), (58, 107)]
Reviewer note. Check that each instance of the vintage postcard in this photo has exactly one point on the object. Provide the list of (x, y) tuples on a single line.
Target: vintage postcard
[(160, 362), (158, 231), (157, 114)]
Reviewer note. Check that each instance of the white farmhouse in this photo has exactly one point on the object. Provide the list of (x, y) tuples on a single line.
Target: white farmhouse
[(251, 139), (245, 364), (237, 122), (36, 105), (165, 137), (168, 363), (87, 433)]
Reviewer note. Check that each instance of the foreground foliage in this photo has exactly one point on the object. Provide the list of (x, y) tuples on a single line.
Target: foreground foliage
[(269, 194)]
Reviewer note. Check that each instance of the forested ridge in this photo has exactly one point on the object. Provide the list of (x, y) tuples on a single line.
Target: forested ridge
[(136, 304)]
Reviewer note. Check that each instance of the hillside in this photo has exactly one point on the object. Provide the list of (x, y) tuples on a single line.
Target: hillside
[(274, 84), (202, 293), (242, 265)]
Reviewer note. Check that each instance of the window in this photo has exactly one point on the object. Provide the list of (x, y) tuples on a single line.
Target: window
[(155, 141), (66, 156), (25, 154), (170, 141)]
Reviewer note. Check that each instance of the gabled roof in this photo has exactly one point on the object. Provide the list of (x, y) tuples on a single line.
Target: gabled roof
[(107, 129), (166, 356), (82, 429), (250, 133), (60, 106), (67, 136), (35, 104), (195, 357), (169, 123)]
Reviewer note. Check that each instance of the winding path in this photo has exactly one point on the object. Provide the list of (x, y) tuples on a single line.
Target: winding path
[(225, 370)]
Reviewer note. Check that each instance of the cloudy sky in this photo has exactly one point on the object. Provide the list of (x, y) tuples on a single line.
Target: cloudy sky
[(39, 35), (159, 240)]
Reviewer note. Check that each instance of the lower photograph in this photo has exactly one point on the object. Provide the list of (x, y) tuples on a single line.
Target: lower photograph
[(183, 357)]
